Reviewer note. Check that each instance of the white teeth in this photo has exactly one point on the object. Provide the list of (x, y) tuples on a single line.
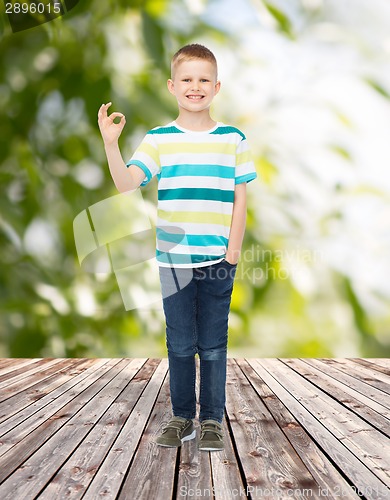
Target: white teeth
[(197, 97)]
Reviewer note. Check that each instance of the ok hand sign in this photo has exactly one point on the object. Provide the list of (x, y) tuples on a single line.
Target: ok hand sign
[(110, 131)]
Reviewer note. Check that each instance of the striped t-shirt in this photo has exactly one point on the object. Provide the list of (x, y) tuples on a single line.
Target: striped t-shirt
[(197, 173)]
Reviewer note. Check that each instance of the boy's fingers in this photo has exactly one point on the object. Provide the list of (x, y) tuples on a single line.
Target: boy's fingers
[(102, 112), (114, 115), (104, 107)]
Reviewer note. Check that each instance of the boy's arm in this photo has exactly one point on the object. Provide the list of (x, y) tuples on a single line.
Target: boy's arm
[(237, 228), (125, 179)]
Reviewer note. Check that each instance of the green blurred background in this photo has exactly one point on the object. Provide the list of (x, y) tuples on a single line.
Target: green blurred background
[(307, 81)]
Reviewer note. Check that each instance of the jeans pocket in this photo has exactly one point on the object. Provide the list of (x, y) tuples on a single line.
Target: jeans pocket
[(228, 263)]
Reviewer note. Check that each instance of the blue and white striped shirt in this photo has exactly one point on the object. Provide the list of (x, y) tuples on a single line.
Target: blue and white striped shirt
[(197, 173)]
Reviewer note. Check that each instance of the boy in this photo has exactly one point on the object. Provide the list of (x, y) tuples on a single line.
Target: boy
[(202, 168)]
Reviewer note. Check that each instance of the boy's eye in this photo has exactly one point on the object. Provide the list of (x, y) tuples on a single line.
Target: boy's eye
[(189, 79)]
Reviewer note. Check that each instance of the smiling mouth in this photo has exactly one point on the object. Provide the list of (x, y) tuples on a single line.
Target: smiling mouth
[(195, 97)]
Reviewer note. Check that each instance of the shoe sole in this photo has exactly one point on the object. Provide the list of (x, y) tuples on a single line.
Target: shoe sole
[(186, 438), (209, 448)]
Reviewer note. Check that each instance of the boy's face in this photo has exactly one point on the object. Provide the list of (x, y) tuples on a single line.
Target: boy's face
[(194, 84)]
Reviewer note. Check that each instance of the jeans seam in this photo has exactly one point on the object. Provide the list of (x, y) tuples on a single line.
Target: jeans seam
[(201, 386), (194, 340), (193, 385), (195, 313)]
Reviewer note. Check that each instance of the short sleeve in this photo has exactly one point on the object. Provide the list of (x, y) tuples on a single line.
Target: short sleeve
[(245, 168), (147, 157)]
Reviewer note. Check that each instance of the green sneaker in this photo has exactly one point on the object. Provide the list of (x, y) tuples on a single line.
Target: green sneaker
[(211, 436), (176, 431)]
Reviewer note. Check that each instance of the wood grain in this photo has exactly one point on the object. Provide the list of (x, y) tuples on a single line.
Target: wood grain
[(86, 428)]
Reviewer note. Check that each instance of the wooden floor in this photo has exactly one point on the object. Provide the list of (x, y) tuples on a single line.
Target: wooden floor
[(294, 428)]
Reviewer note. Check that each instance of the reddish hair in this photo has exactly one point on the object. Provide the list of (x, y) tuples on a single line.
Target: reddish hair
[(193, 51)]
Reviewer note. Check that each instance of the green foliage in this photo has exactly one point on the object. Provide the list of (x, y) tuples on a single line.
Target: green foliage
[(378, 87), (281, 18), (153, 36), (52, 167)]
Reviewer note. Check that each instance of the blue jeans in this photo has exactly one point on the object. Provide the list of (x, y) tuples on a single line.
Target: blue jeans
[(196, 304)]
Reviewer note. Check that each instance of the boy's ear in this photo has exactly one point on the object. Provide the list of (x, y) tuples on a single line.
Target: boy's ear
[(171, 87), (217, 87)]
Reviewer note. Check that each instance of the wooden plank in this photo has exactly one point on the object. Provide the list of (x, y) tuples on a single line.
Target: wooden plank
[(152, 469), (353, 400), (370, 445), (285, 388), (326, 475), (380, 362), (83, 438), (13, 365), (373, 366), (370, 375), (376, 380), (269, 461), (20, 445), (29, 480), (195, 474), (27, 378), (16, 403), (75, 475), (26, 411), (107, 481), (348, 381), (8, 361), (225, 470)]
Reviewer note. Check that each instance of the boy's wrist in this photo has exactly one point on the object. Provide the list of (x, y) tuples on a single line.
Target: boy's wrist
[(111, 145)]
